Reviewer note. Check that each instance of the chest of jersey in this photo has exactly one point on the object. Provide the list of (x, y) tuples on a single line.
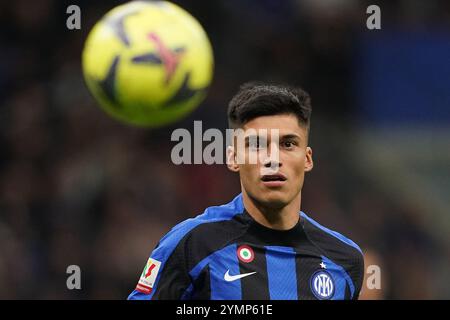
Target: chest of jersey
[(246, 271)]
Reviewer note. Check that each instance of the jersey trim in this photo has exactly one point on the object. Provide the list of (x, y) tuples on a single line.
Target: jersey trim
[(335, 234)]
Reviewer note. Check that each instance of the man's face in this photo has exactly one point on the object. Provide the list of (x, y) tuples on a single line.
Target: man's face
[(273, 163)]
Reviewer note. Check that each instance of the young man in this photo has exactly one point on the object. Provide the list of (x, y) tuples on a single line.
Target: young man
[(260, 245)]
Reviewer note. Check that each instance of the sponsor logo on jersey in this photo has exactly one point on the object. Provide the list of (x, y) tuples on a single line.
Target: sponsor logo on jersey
[(148, 276), (322, 285), (229, 278)]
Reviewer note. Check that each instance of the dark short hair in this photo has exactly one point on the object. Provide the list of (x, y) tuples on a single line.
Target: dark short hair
[(258, 99)]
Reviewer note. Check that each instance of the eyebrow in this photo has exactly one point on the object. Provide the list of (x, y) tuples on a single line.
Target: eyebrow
[(285, 136), (255, 136), (290, 136), (264, 138)]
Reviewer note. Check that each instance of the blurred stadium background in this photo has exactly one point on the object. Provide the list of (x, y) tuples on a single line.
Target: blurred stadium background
[(77, 187)]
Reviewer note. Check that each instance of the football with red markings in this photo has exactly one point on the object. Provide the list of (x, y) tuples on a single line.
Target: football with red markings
[(148, 63)]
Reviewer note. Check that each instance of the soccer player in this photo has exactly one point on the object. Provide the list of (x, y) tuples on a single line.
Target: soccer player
[(260, 245)]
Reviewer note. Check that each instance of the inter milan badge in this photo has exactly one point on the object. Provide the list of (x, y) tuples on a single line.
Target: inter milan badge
[(245, 254), (322, 285)]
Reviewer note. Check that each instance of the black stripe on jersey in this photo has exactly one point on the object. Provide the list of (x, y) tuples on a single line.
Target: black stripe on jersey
[(306, 266), (347, 293), (174, 278), (256, 286), (202, 285)]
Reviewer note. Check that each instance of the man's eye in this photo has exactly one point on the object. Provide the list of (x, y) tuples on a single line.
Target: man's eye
[(289, 144)]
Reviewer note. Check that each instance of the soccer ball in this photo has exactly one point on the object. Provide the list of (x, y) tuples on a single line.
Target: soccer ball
[(148, 63)]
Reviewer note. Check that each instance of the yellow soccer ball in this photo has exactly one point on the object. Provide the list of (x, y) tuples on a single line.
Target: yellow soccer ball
[(148, 63)]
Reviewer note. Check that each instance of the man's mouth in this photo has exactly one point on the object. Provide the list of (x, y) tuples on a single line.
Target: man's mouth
[(273, 177)]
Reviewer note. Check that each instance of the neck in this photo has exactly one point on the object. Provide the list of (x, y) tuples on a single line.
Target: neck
[(283, 218)]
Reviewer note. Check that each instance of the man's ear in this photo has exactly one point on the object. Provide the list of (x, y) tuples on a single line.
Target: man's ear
[(231, 159), (309, 163)]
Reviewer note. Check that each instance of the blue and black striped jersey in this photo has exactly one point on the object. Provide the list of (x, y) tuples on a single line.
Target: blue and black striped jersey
[(225, 254)]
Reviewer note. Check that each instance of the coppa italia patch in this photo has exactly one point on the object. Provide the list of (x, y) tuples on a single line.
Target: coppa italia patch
[(148, 276), (245, 254)]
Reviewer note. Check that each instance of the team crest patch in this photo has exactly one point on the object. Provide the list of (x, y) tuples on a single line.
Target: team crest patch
[(245, 254), (148, 276), (322, 285)]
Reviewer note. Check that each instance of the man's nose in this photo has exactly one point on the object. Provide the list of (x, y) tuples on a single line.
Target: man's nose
[(272, 159), (272, 164)]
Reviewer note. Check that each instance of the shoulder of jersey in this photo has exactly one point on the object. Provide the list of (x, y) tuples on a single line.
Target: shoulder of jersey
[(211, 215), (328, 237)]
